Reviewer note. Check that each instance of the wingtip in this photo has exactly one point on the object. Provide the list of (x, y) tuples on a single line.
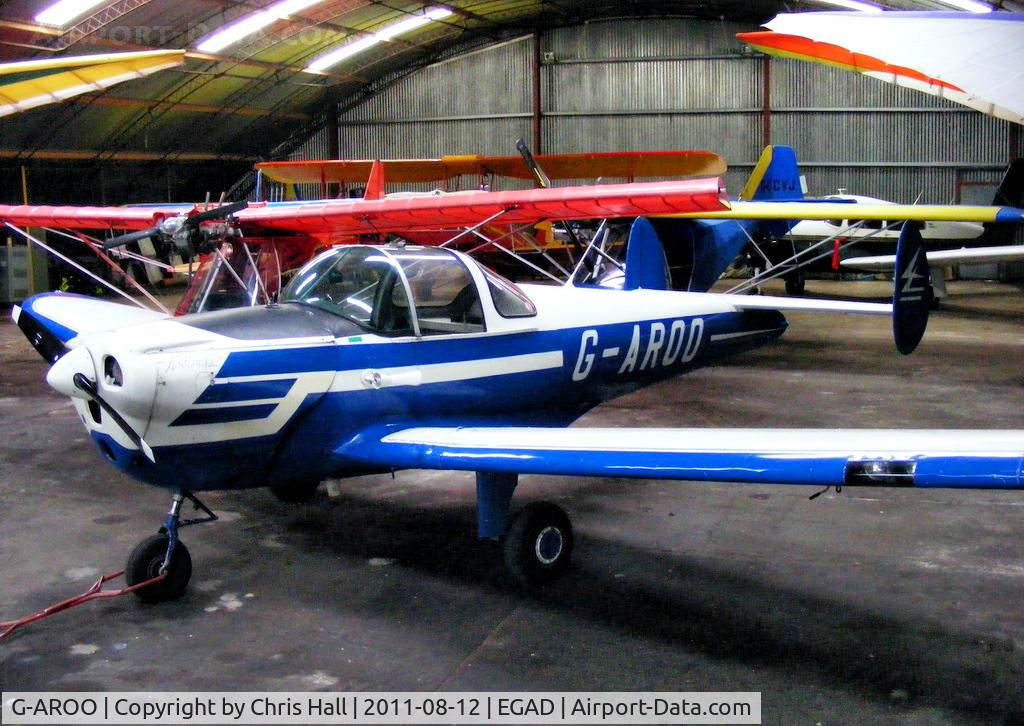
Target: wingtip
[(1010, 215)]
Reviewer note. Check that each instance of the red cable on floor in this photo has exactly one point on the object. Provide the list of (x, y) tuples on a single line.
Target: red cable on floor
[(96, 592)]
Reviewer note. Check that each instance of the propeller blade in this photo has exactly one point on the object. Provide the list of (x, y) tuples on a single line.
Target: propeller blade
[(545, 183), (125, 239), (221, 212), (542, 179), (89, 388)]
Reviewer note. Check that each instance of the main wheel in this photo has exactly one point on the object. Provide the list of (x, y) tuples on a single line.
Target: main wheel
[(144, 563), (294, 492), (538, 544)]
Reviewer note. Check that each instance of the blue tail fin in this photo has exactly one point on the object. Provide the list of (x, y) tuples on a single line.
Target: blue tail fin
[(646, 266), (776, 177), (912, 291), (1009, 194)]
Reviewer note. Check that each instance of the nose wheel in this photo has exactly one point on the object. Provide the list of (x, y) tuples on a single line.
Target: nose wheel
[(164, 554), (147, 561)]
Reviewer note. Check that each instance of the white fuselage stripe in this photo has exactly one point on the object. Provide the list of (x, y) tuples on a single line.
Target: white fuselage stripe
[(354, 380), (742, 334)]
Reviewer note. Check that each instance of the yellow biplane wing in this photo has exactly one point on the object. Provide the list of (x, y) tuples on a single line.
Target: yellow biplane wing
[(28, 84), (839, 210), (627, 165)]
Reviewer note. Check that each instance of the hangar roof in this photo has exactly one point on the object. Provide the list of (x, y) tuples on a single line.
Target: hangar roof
[(238, 102)]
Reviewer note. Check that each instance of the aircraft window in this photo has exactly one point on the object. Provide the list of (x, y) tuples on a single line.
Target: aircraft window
[(361, 284), (443, 292), (873, 224), (509, 301), (835, 222)]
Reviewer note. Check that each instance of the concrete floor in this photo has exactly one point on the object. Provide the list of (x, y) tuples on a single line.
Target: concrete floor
[(870, 606)]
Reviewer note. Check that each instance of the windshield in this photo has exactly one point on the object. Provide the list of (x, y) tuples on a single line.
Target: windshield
[(361, 284), (240, 275)]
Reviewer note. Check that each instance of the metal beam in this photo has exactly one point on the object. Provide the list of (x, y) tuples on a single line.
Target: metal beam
[(96, 22), (171, 156), (117, 101)]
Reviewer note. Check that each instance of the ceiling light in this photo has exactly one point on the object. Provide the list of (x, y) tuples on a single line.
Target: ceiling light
[(855, 5), (386, 33), (252, 23), (63, 12), (969, 5)]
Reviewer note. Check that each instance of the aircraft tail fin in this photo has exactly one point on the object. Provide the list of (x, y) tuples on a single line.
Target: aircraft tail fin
[(1009, 194), (912, 291), (375, 184), (776, 177), (646, 265)]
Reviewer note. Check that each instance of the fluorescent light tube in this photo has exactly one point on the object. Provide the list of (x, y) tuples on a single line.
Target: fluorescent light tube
[(252, 23), (63, 12), (386, 33)]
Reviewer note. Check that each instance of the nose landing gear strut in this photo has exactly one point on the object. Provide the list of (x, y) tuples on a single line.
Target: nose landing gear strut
[(164, 554)]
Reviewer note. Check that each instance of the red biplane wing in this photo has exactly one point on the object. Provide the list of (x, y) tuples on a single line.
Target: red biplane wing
[(626, 165), (415, 211), (25, 215), (461, 209)]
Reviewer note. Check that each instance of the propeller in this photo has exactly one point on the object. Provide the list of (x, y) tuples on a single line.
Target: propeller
[(88, 387), (544, 182), (182, 230)]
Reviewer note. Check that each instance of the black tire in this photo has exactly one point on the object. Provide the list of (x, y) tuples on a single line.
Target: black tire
[(144, 563), (294, 492), (795, 284), (539, 544)]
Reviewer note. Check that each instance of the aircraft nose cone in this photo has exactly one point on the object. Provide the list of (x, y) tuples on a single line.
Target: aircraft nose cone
[(61, 375)]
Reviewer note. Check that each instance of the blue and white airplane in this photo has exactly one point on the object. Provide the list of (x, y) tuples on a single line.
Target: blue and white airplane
[(384, 358)]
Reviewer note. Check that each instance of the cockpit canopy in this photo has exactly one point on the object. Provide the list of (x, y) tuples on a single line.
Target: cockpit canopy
[(403, 290)]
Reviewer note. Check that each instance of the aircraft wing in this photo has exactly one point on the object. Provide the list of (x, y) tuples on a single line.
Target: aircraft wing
[(842, 210), (426, 211), (25, 215), (462, 209), (28, 84), (631, 164), (973, 59), (924, 458), (941, 258)]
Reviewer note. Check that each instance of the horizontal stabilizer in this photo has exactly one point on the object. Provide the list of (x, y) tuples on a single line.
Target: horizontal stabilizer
[(941, 258), (797, 304)]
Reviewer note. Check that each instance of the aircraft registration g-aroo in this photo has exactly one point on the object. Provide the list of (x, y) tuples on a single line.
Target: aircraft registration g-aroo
[(384, 358)]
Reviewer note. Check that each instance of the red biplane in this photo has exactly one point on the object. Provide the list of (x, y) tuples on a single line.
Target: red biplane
[(245, 249)]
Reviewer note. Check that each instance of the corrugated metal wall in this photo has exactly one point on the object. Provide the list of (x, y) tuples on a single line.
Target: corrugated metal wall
[(678, 83)]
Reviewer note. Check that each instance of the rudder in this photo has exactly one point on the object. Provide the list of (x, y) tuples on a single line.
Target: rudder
[(776, 177)]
